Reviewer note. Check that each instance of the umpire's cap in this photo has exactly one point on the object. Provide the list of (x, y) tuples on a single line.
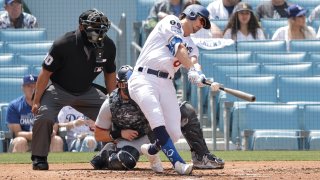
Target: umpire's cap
[(195, 10)]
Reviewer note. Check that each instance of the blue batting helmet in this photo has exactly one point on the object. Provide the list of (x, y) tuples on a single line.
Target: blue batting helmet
[(195, 10)]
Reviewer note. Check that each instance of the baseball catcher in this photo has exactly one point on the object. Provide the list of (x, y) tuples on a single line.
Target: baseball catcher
[(124, 127)]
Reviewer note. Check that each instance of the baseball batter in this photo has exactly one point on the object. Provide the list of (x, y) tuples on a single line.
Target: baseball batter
[(151, 87), (120, 120)]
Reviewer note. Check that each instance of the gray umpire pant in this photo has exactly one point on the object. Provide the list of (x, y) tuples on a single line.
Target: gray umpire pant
[(53, 99)]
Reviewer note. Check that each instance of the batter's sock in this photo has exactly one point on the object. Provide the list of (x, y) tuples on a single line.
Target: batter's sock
[(165, 143)]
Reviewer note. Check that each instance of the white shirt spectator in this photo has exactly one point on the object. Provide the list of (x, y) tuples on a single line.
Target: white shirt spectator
[(242, 37), (314, 14), (283, 34), (217, 10)]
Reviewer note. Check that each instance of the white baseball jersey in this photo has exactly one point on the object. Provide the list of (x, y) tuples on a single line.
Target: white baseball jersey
[(157, 53), (217, 10), (68, 114)]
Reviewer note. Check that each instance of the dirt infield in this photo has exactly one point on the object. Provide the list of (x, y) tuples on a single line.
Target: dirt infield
[(233, 170)]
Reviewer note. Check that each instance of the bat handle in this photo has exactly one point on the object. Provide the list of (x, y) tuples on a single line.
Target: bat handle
[(206, 82)]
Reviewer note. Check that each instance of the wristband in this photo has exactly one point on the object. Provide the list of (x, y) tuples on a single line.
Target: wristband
[(115, 134)]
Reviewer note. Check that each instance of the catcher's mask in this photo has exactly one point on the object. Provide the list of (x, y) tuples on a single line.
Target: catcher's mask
[(95, 25), (123, 76)]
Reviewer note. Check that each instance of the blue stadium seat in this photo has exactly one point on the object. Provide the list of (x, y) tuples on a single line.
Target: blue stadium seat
[(143, 9), (2, 47), (270, 25), (264, 87), (312, 124), (23, 35), (316, 68), (297, 69), (277, 119), (6, 59), (205, 3), (282, 57), (313, 57), (10, 89), (304, 45), (299, 88), (262, 45), (14, 71), (221, 23), (28, 47), (100, 80), (3, 123), (206, 60), (36, 70), (30, 59)]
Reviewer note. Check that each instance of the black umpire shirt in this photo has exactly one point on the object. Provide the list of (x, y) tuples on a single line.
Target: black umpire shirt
[(72, 60)]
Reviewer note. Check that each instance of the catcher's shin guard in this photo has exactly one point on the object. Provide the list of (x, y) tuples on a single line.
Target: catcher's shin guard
[(190, 127)]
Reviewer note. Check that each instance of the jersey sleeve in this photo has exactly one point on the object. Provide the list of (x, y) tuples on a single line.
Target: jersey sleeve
[(53, 59), (13, 116), (170, 29), (104, 117), (62, 115)]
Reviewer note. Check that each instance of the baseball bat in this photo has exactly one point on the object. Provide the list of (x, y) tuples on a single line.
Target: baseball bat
[(234, 92)]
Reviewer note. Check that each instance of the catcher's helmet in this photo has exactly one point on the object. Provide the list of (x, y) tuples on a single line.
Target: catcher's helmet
[(95, 24), (124, 73), (195, 10)]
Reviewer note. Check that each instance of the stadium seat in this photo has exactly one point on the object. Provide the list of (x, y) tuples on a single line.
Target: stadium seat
[(206, 60), (316, 23), (262, 46), (3, 112), (221, 23), (1, 47), (36, 70), (30, 59), (297, 69), (282, 57), (316, 68), (10, 89), (304, 45), (270, 25), (307, 4), (14, 71), (299, 88), (205, 3), (313, 57), (6, 59), (23, 35), (275, 119), (28, 47), (312, 124)]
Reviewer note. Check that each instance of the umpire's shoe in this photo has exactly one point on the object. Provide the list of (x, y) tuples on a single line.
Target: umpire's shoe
[(39, 163), (208, 161)]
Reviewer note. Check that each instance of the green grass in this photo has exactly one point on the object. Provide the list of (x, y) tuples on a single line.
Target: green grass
[(68, 157)]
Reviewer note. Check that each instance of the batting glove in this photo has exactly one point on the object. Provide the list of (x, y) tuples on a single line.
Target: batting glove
[(196, 77), (215, 86)]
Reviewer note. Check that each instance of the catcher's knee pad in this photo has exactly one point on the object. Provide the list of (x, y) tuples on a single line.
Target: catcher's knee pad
[(125, 159)]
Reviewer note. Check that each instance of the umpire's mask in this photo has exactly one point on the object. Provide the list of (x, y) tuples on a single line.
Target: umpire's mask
[(95, 25), (123, 76)]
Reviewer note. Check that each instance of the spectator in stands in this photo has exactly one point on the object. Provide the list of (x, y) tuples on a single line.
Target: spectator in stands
[(15, 18), (20, 120), (297, 28), (273, 9), (315, 14), (243, 25), (73, 62), (221, 9), (79, 130), (161, 9)]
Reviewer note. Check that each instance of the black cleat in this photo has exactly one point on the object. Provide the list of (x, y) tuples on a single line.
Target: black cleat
[(39, 163)]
